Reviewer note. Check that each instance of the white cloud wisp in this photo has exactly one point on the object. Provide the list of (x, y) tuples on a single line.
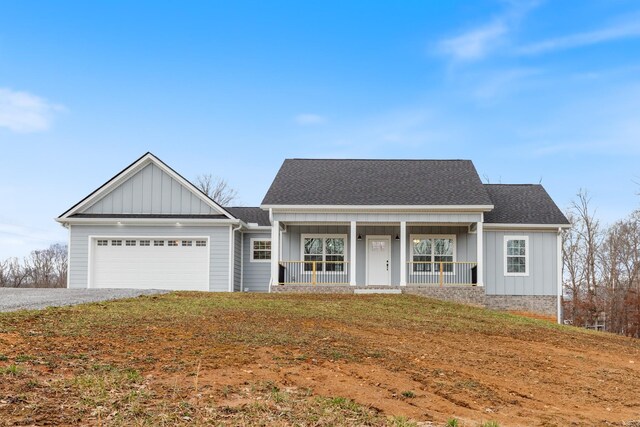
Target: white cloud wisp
[(22, 112)]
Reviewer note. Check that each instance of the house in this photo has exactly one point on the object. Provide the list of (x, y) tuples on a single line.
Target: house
[(421, 226)]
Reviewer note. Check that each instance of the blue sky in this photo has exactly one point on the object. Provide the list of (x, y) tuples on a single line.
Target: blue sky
[(529, 90)]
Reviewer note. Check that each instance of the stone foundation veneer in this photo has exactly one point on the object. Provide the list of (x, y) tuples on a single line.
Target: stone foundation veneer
[(541, 304), (471, 295)]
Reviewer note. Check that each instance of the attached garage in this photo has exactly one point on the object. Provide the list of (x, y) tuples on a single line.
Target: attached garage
[(175, 263)]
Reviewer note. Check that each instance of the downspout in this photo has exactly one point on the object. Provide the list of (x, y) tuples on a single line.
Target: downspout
[(68, 226), (232, 255), (242, 263), (559, 274), (271, 266)]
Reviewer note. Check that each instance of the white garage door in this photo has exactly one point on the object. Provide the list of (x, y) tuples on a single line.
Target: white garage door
[(150, 263)]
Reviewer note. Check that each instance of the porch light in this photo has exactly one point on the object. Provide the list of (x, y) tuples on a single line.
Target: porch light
[(359, 236)]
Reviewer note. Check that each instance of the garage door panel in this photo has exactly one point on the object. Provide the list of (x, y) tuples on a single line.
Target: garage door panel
[(150, 267)]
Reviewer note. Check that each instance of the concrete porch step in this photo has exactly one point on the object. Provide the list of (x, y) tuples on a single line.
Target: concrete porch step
[(377, 291)]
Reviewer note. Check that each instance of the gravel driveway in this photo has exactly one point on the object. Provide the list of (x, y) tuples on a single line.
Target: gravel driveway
[(12, 299)]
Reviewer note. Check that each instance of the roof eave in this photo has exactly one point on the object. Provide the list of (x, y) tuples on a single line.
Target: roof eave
[(378, 208), (144, 221), (514, 226)]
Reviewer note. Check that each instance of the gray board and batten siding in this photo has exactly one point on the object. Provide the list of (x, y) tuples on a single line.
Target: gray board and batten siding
[(542, 258), (151, 191), (256, 274)]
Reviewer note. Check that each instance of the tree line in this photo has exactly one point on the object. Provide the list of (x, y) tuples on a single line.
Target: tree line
[(602, 270), (46, 268)]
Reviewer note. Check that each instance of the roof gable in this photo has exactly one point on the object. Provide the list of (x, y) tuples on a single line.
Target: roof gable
[(328, 182), (147, 187)]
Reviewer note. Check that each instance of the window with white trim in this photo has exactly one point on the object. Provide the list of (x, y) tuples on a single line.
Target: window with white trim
[(145, 242), (516, 255), (172, 243), (187, 243), (260, 250), (158, 243), (201, 243), (116, 243), (129, 242), (103, 242), (328, 250), (428, 251)]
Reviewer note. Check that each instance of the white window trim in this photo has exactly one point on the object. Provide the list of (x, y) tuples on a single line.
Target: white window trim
[(526, 255), (453, 237), (324, 236), (260, 239)]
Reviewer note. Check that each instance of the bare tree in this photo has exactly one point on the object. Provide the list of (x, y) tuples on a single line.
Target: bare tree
[(17, 274), (216, 188), (46, 268), (580, 249)]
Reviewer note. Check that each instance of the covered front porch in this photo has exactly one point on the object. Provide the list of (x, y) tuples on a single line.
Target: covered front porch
[(376, 254)]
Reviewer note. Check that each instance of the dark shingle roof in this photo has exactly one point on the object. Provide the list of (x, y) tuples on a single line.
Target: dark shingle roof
[(376, 182), (522, 204), (253, 215)]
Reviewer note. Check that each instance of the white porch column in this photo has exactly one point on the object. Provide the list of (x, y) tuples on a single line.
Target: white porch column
[(403, 253), (352, 254), (480, 252), (275, 252)]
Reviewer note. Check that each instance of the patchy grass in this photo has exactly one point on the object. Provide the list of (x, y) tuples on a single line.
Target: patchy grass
[(193, 358)]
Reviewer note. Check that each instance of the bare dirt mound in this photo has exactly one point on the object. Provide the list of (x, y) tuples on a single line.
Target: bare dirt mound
[(308, 360)]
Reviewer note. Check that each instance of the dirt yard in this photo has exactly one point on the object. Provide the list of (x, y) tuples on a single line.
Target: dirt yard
[(397, 360)]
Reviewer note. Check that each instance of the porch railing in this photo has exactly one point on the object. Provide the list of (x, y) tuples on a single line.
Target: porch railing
[(442, 273), (313, 273)]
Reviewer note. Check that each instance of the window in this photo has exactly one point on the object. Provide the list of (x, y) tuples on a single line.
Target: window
[(158, 243), (328, 251), (145, 242), (187, 243), (172, 243), (116, 243), (201, 243), (260, 250), (516, 250), (129, 242), (428, 251), (103, 242)]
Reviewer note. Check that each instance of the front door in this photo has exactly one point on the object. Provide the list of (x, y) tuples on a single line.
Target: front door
[(378, 260)]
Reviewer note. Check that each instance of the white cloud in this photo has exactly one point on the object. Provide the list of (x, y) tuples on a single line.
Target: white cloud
[(23, 112), (622, 31), (307, 119), (474, 44), (483, 40)]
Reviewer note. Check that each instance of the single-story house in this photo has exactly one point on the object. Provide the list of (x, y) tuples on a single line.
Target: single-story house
[(325, 225)]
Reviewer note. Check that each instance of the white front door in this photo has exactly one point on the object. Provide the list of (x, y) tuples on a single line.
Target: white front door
[(378, 260)]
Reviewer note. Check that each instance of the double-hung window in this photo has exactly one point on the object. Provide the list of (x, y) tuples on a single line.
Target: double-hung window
[(260, 250), (516, 250), (427, 252), (327, 251)]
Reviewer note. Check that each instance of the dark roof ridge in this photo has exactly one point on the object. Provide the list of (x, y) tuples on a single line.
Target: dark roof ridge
[(516, 185), (379, 160)]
